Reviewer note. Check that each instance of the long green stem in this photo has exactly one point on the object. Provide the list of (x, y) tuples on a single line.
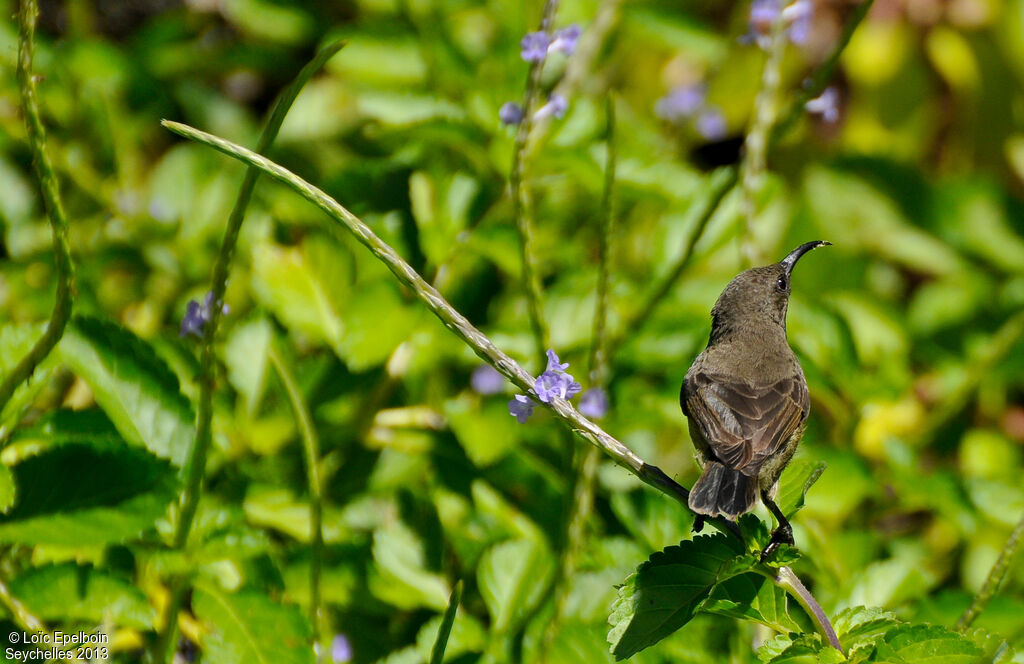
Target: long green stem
[(790, 582), (51, 200), (450, 317), (994, 579), (522, 200), (195, 466), (311, 453)]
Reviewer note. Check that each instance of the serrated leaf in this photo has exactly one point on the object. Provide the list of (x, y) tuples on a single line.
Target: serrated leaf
[(783, 555), (105, 495), (926, 643), (797, 479), (802, 650), (753, 597), (774, 647), (666, 591), (132, 385), (860, 625), (512, 575), (68, 592), (250, 627)]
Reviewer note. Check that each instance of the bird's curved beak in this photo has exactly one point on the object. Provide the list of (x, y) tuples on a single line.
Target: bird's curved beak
[(790, 261)]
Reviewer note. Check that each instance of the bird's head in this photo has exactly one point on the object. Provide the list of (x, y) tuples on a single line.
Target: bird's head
[(759, 293)]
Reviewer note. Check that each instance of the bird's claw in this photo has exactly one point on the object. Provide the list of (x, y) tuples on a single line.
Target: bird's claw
[(782, 535), (698, 524)]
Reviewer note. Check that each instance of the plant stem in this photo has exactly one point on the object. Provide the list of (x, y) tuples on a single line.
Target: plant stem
[(311, 453), (451, 318), (790, 582), (722, 183), (994, 579), (817, 83), (51, 200), (522, 201), (598, 346), (195, 466)]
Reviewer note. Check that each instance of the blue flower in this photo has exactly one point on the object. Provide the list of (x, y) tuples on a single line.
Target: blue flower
[(763, 14), (197, 316), (711, 124), (594, 403), (799, 15), (554, 382), (341, 649), (681, 102), (556, 107), (510, 113), (565, 39), (486, 380), (534, 46), (826, 105), (521, 407), (554, 363)]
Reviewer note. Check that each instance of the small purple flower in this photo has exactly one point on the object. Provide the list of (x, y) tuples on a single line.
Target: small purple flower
[(681, 102), (565, 39), (487, 380), (551, 384), (198, 315), (521, 407), (826, 105), (510, 113), (799, 16), (555, 107), (534, 46), (341, 649), (594, 403), (554, 363), (711, 124)]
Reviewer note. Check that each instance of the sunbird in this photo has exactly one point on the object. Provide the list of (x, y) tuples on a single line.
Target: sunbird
[(745, 397)]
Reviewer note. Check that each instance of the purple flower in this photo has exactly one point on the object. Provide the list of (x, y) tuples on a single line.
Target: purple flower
[(486, 380), (556, 107), (341, 649), (554, 363), (594, 403), (799, 16), (681, 102), (826, 105), (198, 315), (534, 46), (521, 407), (510, 113), (551, 384), (711, 124), (565, 39)]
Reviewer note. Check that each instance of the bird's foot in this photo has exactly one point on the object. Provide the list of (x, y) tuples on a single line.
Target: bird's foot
[(698, 524), (782, 535)]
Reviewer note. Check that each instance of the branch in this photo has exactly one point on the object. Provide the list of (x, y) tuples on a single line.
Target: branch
[(451, 318), (791, 583), (51, 201)]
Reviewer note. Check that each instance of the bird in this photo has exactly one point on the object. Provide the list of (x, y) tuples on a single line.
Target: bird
[(746, 399)]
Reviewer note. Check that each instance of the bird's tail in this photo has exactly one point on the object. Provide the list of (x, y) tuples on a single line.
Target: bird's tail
[(721, 490)]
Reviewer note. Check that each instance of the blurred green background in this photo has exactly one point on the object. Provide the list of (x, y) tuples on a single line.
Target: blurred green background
[(909, 328)]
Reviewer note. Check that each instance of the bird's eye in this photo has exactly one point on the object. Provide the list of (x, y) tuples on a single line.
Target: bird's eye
[(782, 284)]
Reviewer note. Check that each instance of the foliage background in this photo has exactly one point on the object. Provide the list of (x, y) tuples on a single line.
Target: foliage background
[(908, 328)]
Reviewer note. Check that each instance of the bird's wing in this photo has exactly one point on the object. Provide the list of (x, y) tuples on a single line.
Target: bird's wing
[(744, 424)]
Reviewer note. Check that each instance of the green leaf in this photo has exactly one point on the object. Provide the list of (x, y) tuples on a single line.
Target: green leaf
[(859, 626), (926, 643), (667, 590), (399, 575), (68, 592), (15, 343), (245, 355), (754, 597), (8, 492), (444, 630), (376, 321), (132, 384), (783, 555), (105, 495), (512, 576), (481, 428), (796, 480), (250, 627)]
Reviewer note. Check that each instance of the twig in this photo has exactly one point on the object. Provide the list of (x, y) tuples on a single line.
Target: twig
[(522, 201), (994, 579), (51, 200), (451, 318), (311, 452), (790, 582), (195, 466)]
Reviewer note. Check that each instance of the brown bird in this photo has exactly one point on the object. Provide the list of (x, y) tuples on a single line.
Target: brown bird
[(746, 398)]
